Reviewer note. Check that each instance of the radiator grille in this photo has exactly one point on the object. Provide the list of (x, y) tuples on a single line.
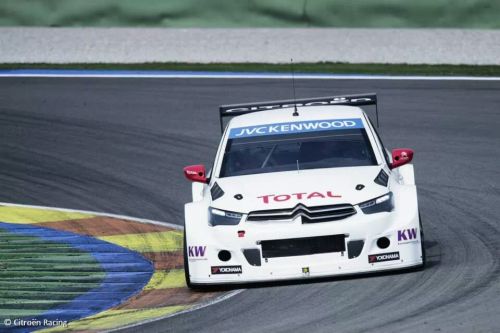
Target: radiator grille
[(308, 214)]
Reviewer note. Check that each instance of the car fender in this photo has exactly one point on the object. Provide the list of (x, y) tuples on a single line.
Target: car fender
[(406, 174), (195, 217), (197, 190)]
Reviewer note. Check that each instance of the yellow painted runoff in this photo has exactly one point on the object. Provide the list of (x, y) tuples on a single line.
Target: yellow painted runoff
[(166, 279), (28, 215), (165, 241)]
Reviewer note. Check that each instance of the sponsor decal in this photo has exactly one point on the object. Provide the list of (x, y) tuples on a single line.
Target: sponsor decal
[(197, 252), (226, 270), (303, 195), (407, 235), (295, 127), (373, 258)]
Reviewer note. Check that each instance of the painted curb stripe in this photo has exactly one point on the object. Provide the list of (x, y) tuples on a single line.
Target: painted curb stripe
[(146, 306), (32, 215), (148, 242), (166, 280), (94, 226), (110, 292)]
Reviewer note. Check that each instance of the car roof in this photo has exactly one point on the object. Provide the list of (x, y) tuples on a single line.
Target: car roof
[(306, 113)]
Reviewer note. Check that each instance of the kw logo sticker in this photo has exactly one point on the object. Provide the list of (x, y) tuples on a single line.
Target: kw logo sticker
[(197, 252), (407, 235)]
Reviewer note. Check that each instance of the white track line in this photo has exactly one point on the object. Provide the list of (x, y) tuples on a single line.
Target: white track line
[(251, 76), (194, 308)]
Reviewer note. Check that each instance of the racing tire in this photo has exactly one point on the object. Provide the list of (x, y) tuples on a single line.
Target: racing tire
[(424, 256), (186, 265)]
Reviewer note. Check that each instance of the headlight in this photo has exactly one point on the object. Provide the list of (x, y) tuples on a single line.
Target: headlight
[(222, 217), (378, 205)]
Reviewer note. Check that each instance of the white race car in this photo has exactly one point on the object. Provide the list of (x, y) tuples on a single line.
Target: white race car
[(301, 189)]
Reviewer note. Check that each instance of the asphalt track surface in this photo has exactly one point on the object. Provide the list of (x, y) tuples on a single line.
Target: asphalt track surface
[(118, 145)]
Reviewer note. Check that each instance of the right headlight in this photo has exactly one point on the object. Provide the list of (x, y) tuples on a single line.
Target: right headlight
[(384, 203), (223, 217)]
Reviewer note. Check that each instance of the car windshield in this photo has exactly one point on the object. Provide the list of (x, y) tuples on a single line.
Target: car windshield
[(274, 153)]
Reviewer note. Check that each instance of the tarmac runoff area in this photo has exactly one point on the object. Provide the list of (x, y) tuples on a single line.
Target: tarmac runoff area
[(64, 270)]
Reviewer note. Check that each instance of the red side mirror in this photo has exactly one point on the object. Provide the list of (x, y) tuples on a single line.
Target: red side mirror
[(401, 156), (196, 173)]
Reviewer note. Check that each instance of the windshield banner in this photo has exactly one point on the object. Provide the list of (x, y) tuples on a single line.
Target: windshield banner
[(295, 127)]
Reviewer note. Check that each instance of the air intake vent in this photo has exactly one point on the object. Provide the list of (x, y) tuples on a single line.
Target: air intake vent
[(354, 248), (216, 192), (302, 246), (308, 214), (252, 256), (382, 178)]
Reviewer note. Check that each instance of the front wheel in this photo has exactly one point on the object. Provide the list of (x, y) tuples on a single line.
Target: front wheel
[(186, 264), (424, 257)]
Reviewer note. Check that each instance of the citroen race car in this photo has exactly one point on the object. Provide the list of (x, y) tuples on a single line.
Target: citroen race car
[(301, 189)]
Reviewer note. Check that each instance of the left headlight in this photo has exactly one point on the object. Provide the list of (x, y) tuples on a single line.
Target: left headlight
[(384, 203), (223, 217)]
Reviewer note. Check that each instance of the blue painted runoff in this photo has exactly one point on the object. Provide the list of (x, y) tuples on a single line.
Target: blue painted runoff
[(126, 274)]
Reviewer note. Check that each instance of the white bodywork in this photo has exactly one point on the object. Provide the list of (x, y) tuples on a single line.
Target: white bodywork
[(336, 186)]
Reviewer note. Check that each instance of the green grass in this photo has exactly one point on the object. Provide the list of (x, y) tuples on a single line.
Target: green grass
[(36, 275), (326, 67)]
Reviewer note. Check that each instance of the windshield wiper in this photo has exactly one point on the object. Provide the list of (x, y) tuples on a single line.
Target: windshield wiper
[(268, 157)]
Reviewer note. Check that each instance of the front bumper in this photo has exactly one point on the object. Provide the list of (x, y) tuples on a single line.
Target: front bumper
[(359, 228)]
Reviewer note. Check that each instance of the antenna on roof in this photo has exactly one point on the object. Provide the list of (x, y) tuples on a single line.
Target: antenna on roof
[(295, 112)]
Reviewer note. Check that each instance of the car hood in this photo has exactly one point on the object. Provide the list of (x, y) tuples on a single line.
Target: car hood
[(316, 187)]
